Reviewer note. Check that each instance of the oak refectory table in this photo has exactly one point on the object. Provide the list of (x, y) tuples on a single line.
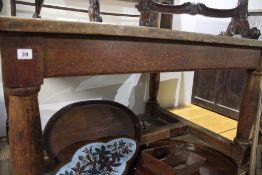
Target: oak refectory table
[(34, 49)]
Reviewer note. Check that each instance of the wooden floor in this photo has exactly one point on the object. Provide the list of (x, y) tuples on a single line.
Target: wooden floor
[(212, 121)]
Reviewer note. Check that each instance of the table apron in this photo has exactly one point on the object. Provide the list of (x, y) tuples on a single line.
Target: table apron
[(69, 57)]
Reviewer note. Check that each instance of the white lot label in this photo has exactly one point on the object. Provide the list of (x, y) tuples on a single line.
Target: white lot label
[(24, 54)]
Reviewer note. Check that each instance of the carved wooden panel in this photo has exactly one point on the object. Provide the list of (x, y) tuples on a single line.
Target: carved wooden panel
[(201, 83), (231, 89), (219, 91)]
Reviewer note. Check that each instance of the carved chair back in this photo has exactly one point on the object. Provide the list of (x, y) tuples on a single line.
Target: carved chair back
[(238, 25)]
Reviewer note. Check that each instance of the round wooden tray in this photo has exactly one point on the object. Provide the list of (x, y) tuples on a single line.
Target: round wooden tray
[(216, 163), (88, 121)]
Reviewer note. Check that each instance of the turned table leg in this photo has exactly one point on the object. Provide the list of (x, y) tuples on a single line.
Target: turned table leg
[(152, 103), (25, 134), (22, 79), (152, 19)]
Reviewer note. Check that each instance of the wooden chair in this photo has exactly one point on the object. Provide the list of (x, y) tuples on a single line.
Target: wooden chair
[(86, 121), (93, 10)]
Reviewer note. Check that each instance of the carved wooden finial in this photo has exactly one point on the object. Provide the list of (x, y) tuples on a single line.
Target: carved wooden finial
[(94, 11), (241, 26)]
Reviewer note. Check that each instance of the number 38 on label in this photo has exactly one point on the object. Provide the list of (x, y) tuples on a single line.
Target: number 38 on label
[(24, 54)]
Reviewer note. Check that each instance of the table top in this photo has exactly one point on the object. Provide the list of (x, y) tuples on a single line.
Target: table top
[(72, 49), (15, 24)]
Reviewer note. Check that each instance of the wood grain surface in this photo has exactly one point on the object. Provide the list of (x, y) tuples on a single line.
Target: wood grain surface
[(15, 24), (88, 121), (25, 134)]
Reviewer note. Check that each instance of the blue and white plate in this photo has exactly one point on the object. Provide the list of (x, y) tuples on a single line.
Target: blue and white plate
[(100, 158)]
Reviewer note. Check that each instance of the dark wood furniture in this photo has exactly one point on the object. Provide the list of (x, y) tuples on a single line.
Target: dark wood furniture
[(221, 96), (238, 25), (70, 49), (88, 121), (172, 159), (216, 163), (220, 99), (221, 90)]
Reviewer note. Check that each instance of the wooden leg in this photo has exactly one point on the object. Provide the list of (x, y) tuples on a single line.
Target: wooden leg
[(94, 11), (25, 134), (13, 7), (152, 103), (151, 19), (166, 23), (249, 107), (38, 8), (6, 107)]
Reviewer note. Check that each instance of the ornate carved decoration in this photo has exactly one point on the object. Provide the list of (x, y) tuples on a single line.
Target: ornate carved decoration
[(94, 11), (241, 27), (148, 17), (238, 24), (143, 6), (186, 8)]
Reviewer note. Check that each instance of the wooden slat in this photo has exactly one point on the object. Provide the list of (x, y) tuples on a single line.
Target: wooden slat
[(212, 121), (164, 132)]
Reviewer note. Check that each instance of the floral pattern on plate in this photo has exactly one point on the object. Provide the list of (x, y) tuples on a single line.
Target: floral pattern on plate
[(99, 158)]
